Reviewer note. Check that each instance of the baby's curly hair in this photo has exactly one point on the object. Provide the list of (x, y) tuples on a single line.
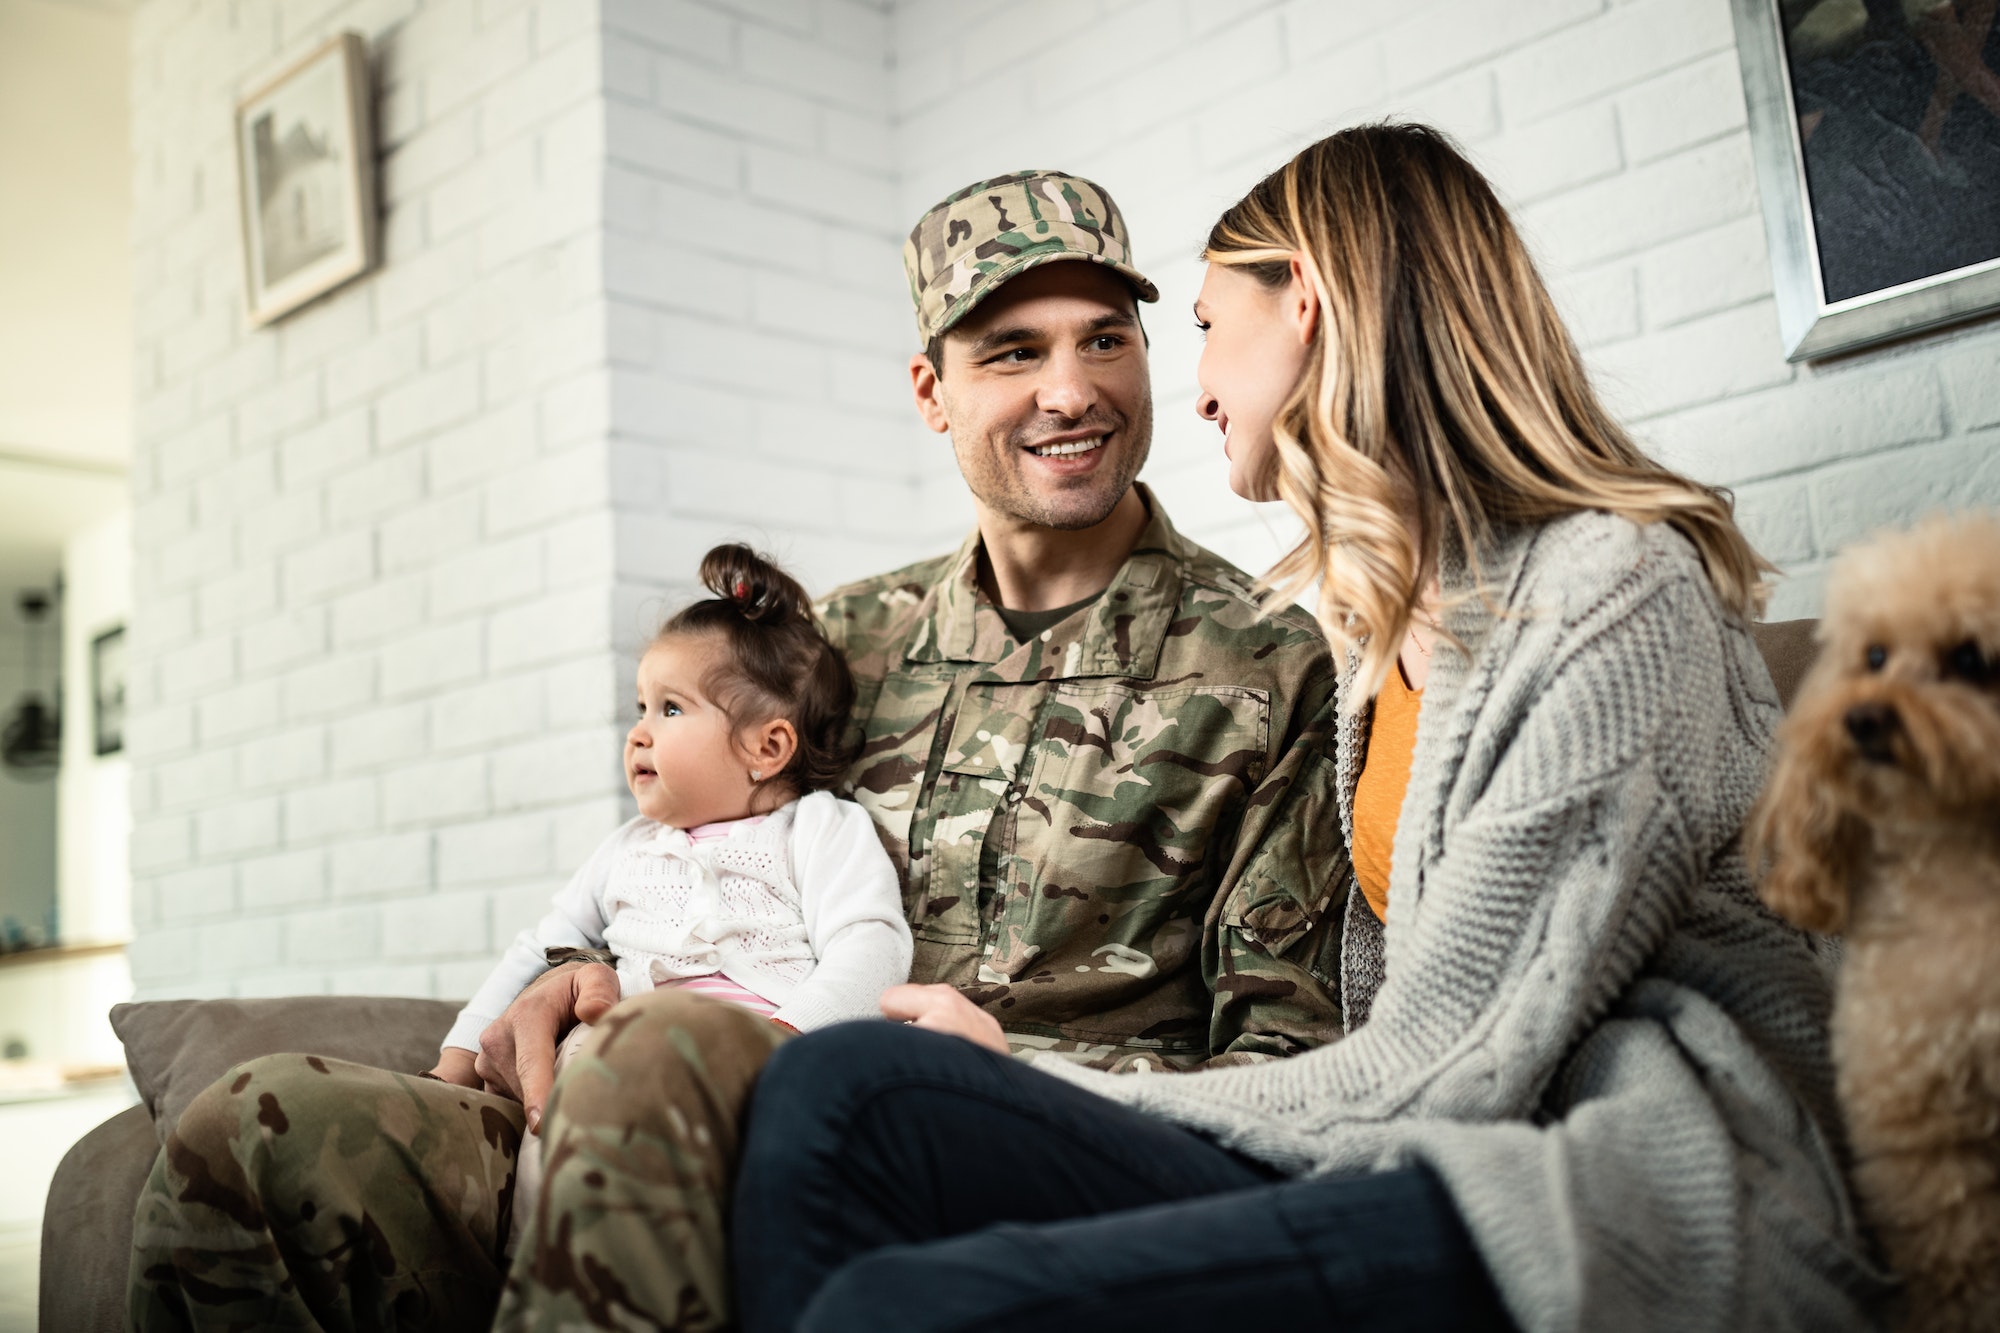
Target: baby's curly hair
[(776, 661)]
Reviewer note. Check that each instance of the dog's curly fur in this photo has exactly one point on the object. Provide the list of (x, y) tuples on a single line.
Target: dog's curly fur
[(1882, 821)]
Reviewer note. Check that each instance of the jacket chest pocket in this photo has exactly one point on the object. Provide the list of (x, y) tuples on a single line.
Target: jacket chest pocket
[(978, 786), (1128, 790)]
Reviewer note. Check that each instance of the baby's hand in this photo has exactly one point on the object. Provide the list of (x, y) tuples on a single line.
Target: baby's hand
[(943, 1009), (455, 1066)]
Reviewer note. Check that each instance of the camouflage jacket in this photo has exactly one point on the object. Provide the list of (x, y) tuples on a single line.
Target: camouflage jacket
[(1121, 838)]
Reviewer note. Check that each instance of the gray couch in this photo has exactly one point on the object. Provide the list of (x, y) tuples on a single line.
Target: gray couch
[(176, 1048)]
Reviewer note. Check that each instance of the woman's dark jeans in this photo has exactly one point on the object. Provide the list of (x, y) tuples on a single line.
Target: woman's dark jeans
[(896, 1179)]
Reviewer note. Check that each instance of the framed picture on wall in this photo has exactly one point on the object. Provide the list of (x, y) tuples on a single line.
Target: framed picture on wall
[(1875, 125), (305, 158), (107, 690)]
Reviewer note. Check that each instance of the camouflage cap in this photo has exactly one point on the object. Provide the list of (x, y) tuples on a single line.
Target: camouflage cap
[(965, 247)]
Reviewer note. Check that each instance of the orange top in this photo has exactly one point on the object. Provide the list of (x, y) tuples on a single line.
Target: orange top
[(1385, 776)]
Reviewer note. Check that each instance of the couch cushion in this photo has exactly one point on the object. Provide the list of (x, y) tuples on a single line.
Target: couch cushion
[(175, 1048), (1789, 649)]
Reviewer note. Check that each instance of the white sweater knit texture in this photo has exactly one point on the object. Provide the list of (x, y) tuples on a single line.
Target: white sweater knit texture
[(1613, 1056), (802, 908)]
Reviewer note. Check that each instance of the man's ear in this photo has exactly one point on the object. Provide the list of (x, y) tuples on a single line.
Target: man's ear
[(769, 746), (1302, 297), (924, 388)]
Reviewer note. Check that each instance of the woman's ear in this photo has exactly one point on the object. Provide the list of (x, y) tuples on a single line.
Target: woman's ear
[(769, 746), (1302, 298)]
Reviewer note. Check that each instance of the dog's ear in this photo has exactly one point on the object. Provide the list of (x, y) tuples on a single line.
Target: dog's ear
[(1804, 848)]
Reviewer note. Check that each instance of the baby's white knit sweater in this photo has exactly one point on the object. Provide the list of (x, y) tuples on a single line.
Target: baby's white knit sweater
[(801, 908)]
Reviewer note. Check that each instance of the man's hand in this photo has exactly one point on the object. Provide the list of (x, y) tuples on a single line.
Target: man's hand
[(943, 1009), (455, 1065), (517, 1051)]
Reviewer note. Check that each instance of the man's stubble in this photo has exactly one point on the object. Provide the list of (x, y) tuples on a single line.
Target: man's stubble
[(1001, 487)]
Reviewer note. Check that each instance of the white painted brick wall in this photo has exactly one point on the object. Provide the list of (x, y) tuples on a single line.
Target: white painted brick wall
[(642, 293), (1616, 130), (753, 234), (351, 524)]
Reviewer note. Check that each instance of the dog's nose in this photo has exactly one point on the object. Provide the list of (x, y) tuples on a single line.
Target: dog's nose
[(1873, 727)]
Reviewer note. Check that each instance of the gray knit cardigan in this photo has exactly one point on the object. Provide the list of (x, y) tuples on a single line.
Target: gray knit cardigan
[(1613, 1056)]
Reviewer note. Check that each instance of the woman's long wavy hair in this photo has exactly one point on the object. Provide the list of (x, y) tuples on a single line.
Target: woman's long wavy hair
[(1441, 394)]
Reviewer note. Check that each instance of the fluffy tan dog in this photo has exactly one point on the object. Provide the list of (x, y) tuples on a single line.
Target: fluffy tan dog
[(1882, 821)]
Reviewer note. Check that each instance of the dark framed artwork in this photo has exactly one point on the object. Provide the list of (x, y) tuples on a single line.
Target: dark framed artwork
[(107, 690), (305, 157), (1875, 125)]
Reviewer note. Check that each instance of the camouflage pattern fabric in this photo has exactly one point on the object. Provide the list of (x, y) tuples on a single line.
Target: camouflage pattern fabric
[(1120, 838), (639, 1147), (969, 244), (304, 1193)]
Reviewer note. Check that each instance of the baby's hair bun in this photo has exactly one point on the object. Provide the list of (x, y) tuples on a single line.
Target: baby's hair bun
[(754, 585), (777, 661)]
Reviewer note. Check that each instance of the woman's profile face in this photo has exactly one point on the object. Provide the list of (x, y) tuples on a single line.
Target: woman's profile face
[(1255, 342)]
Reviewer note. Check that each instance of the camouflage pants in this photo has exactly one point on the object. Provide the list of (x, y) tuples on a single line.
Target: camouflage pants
[(302, 1193)]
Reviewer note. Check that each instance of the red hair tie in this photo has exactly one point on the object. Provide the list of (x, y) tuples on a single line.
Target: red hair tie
[(742, 590)]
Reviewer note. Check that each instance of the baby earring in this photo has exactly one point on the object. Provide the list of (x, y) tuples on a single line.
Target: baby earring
[(756, 775)]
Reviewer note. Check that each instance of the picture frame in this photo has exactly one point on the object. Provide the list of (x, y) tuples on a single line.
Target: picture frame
[(1878, 162), (305, 159), (107, 691)]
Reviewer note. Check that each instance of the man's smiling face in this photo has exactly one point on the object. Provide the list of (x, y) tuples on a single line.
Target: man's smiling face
[(1047, 395)]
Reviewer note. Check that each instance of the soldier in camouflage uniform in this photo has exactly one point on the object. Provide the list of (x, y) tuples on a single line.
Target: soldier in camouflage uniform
[(1115, 820), (1066, 811)]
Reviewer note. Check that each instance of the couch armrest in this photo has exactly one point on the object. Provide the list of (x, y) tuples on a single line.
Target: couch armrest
[(87, 1226)]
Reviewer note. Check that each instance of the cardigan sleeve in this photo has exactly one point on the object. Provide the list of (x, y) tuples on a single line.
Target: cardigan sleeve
[(575, 919), (853, 912), (1548, 888)]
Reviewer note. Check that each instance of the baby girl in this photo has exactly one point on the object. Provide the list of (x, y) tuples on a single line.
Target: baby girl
[(742, 878)]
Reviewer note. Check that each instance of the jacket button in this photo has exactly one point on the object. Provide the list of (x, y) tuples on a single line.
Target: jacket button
[(1014, 795)]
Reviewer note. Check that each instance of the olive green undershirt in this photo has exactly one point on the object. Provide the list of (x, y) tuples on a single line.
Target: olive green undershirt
[(1025, 625)]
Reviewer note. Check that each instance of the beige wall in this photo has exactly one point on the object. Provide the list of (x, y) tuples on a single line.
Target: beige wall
[(65, 272), (65, 435), (65, 279)]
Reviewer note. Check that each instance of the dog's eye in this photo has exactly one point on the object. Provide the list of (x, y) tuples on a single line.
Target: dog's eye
[(1966, 662), (1878, 656)]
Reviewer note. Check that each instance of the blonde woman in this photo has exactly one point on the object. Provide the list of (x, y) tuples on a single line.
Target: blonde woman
[(1584, 1083)]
